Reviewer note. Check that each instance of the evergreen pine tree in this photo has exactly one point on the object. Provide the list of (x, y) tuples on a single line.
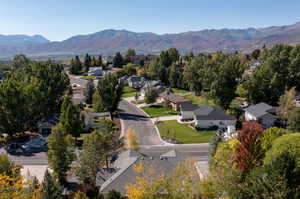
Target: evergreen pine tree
[(51, 189)]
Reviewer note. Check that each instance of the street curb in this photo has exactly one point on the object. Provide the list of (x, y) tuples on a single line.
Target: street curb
[(157, 131)]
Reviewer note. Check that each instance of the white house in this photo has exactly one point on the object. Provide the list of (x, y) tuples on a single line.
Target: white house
[(209, 116), (187, 111), (95, 71), (136, 82), (263, 113)]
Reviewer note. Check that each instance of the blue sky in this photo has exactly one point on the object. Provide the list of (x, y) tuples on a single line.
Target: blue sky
[(60, 19)]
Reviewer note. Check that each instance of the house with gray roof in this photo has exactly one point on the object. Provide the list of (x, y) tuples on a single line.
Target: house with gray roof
[(208, 116), (45, 124), (187, 111), (263, 113), (123, 171)]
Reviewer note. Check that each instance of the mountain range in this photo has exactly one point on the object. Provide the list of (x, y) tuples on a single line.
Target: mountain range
[(108, 42)]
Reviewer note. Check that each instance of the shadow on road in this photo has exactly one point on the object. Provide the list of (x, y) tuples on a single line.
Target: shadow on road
[(129, 116)]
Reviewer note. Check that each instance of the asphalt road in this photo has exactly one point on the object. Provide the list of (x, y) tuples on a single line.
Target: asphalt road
[(131, 117), (148, 138), (134, 118)]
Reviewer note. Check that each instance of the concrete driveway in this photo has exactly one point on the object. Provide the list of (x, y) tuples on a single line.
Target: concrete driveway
[(132, 117)]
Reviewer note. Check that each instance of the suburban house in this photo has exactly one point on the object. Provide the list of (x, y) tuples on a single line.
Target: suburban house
[(155, 84), (208, 117), (173, 99), (123, 173), (297, 99), (45, 125), (187, 111), (263, 113), (136, 82), (91, 120), (95, 71)]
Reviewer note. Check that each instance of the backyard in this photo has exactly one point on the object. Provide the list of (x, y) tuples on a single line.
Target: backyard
[(158, 110), (200, 100), (183, 133)]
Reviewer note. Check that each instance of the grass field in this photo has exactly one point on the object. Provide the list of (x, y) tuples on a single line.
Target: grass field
[(183, 133), (88, 77), (200, 100), (129, 92), (158, 110), (180, 91)]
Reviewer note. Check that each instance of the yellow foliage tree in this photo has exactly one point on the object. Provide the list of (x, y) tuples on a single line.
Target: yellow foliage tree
[(80, 195), (130, 140), (181, 183)]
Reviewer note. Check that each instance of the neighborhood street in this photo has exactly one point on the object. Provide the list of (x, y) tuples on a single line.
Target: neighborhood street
[(134, 118), (147, 136)]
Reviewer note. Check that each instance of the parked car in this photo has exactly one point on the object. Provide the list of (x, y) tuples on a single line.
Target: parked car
[(36, 144), (14, 148)]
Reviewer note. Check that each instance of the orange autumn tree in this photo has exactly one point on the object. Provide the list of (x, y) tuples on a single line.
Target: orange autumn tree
[(248, 151)]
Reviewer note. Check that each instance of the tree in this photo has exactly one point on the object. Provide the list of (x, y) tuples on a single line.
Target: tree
[(71, 120), (113, 194), (226, 80), (118, 60), (131, 142), (279, 179), (29, 94), (108, 94), (286, 104), (7, 167), (248, 153), (89, 92), (179, 183), (270, 135), (129, 69), (80, 195), (255, 54), (130, 52), (150, 95), (193, 76), (294, 120), (19, 61), (286, 143), (75, 65), (60, 153), (90, 159), (87, 62), (99, 61), (51, 188), (175, 76)]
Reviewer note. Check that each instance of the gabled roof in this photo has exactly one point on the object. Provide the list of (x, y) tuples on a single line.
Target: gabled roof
[(172, 97), (212, 113), (188, 107), (161, 162), (260, 109), (135, 79)]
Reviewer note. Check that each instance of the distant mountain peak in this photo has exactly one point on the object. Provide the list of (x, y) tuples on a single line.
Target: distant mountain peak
[(110, 41)]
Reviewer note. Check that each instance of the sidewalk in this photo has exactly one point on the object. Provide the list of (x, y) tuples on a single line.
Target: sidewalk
[(166, 118)]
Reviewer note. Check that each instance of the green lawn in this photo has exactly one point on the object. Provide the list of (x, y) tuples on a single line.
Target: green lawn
[(200, 100), (180, 91), (158, 110), (183, 133), (88, 77), (129, 92)]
